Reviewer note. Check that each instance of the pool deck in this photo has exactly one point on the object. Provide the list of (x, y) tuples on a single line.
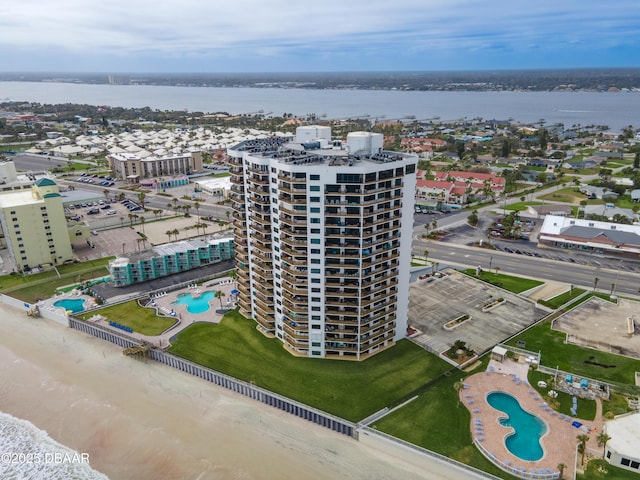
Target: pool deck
[(559, 443), (164, 304), (48, 304)]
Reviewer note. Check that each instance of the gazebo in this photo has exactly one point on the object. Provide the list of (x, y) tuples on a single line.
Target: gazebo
[(498, 353)]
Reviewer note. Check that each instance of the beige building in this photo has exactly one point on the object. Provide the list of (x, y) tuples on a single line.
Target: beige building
[(132, 167), (321, 235), (34, 225)]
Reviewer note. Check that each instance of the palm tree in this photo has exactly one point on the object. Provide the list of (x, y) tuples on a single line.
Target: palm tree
[(168, 233), (602, 439), (175, 232), (142, 224), (459, 385), (582, 446), (196, 205), (175, 204), (595, 283), (186, 209), (141, 197), (561, 467), (426, 255), (121, 196), (233, 275), (105, 193), (228, 214), (220, 294), (131, 217), (434, 224)]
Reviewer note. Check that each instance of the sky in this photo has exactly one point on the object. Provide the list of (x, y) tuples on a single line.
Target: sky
[(120, 36)]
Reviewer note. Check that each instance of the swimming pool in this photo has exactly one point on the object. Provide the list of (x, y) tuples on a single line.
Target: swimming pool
[(197, 304), (524, 442), (74, 304)]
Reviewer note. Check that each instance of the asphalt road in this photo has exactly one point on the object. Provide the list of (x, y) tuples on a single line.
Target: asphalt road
[(543, 268)]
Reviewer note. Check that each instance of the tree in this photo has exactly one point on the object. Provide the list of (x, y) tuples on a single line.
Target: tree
[(132, 216), (233, 275), (186, 209), (175, 204), (121, 196), (169, 233), (602, 439), (561, 467), (473, 218), (434, 224), (141, 197), (426, 255), (196, 205), (142, 220), (582, 446), (175, 232), (105, 192), (220, 294), (228, 214), (459, 385), (595, 283)]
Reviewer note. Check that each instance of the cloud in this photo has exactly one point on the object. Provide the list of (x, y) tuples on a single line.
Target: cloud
[(350, 32)]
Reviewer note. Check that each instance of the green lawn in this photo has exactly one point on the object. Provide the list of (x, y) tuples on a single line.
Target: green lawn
[(130, 314), (558, 301), (572, 358), (438, 422), (38, 286), (351, 390), (520, 206), (564, 401), (613, 473), (508, 282)]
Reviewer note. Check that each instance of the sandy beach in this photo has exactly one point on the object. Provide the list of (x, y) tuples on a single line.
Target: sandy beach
[(145, 420)]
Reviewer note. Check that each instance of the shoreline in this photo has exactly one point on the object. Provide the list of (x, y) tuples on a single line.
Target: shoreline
[(145, 420)]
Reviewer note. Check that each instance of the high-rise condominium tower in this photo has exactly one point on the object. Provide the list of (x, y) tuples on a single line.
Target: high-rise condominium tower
[(323, 235)]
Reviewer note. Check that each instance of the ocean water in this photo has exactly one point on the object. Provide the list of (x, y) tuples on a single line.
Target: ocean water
[(28, 453), (615, 110)]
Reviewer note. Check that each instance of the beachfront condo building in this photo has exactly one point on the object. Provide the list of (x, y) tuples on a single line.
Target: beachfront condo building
[(133, 166), (323, 240), (34, 226), (170, 258)]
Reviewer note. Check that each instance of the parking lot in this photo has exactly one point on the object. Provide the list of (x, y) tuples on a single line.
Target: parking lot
[(433, 304)]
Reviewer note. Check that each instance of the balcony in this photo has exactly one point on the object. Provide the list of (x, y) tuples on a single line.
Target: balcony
[(262, 200), (236, 180), (293, 242), (263, 309), (336, 312), (294, 252), (284, 188), (259, 219), (341, 347), (380, 287), (297, 333), (299, 279), (295, 299), (301, 262), (288, 220), (301, 199), (260, 191), (294, 290), (297, 309), (291, 178), (340, 302)]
